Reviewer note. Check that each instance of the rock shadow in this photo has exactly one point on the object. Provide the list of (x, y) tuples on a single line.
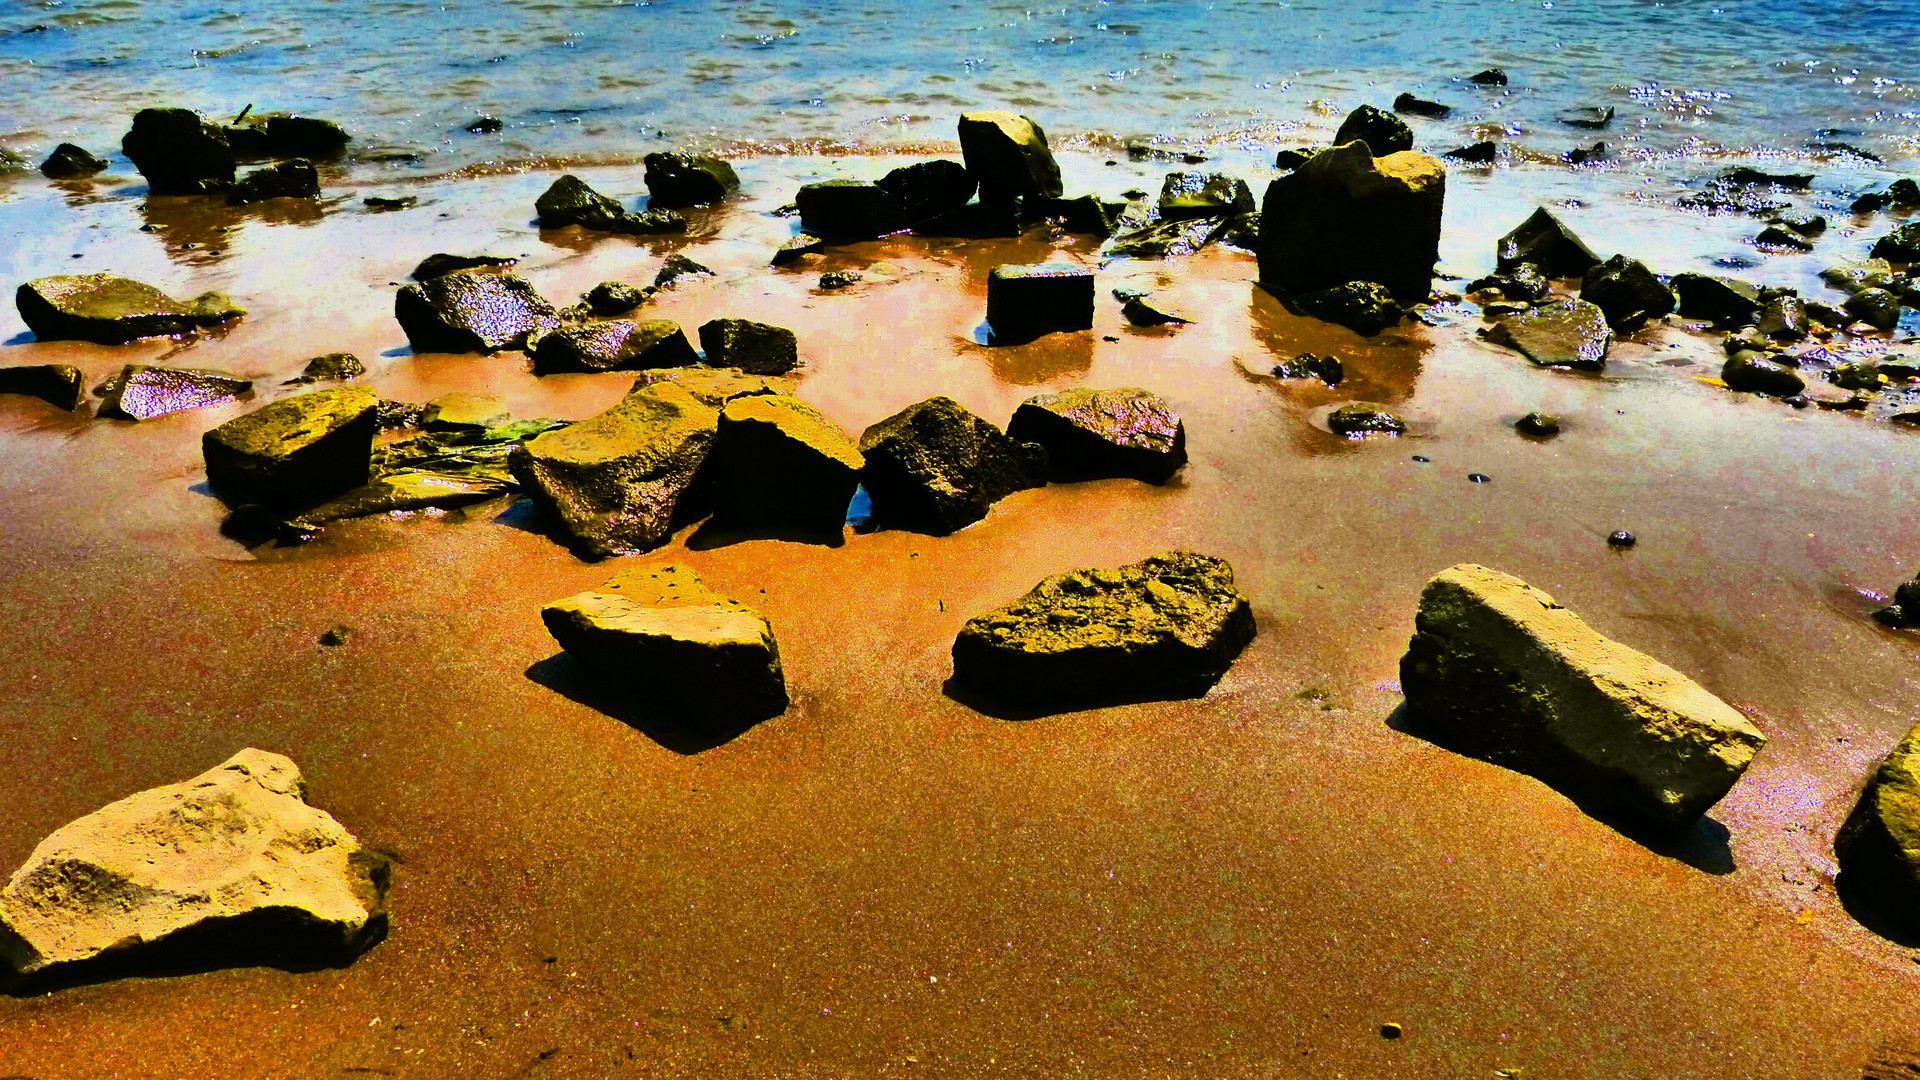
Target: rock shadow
[(1703, 845), (985, 701), (1883, 919), (685, 735), (717, 534)]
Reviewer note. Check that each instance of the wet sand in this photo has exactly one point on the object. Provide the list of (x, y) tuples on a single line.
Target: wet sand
[(884, 881)]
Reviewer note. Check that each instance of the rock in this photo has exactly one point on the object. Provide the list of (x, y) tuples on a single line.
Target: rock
[(1382, 132), (1163, 239), (614, 298), (1484, 152), (713, 387), (1783, 319), (840, 279), (1361, 306), (1546, 243), (229, 868), (442, 264), (849, 210), (678, 266), (1877, 308), (1190, 195), (1348, 216), (1007, 155), (399, 491), (1565, 333), (1538, 424), (484, 125), (675, 643), (616, 345), (1857, 274), (1808, 225), (332, 367), (927, 188), (1167, 626), (1902, 245), (290, 136), (112, 310), (60, 385), (676, 180), (1140, 311), (464, 412), (1878, 847), (755, 348), (778, 463), (1904, 612), (1407, 103), (1776, 238), (1580, 155), (1626, 292), (1292, 159), (69, 161), (1861, 376), (1025, 301), (1903, 192), (295, 179), (1502, 672), (177, 151), (469, 312), (1587, 116), (1522, 282), (1489, 77), (1750, 177), (1726, 301), (619, 482), (974, 221), (1327, 369), (1723, 196), (569, 201), (140, 392), (1752, 372), (1360, 418), (1085, 214), (1095, 434), (934, 467), (296, 452)]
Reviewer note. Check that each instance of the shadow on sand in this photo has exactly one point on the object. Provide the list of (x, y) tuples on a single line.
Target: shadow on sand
[(678, 732), (983, 700)]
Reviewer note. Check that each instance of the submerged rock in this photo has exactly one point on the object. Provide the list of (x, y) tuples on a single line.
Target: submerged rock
[(1580, 155), (1484, 152), (60, 385), (1408, 103), (1723, 300), (928, 188), (779, 463), (1587, 116), (295, 179), (1025, 301), (289, 135), (1091, 434), (1347, 216), (676, 180), (616, 345), (229, 868), (177, 151), (140, 392), (1566, 333), (934, 467), (1190, 194), (1776, 238), (469, 312), (1361, 418), (1007, 155), (1878, 847), (1167, 626), (332, 367), (113, 310), (753, 347), (1626, 292), (69, 161), (441, 264), (1327, 369), (1546, 243), (849, 210), (1856, 274), (712, 386), (296, 452), (1502, 672), (1361, 306), (569, 201), (1382, 132), (1489, 77), (1144, 311), (677, 267)]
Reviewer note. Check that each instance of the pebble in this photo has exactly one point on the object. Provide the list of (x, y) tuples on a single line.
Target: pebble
[(1421, 460), (1479, 478), (1390, 1031), (1621, 539)]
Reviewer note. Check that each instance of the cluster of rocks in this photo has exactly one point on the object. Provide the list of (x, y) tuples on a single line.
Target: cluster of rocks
[(181, 152)]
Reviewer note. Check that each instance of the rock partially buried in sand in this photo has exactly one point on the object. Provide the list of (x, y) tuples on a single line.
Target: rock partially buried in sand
[(1090, 434), (111, 310), (464, 413), (230, 868), (1146, 311), (296, 179), (333, 367), (1546, 243), (615, 298), (1567, 333), (676, 644), (676, 267), (1538, 424), (712, 386), (616, 345), (441, 264), (1724, 300), (1345, 216), (61, 385), (1008, 156), (1328, 369), (1500, 671), (676, 180), (177, 151), (934, 467), (1878, 848), (1381, 131), (140, 392), (469, 312), (1362, 418), (1167, 626), (69, 161), (753, 347), (778, 463), (1626, 292), (569, 201), (295, 452), (1190, 195), (1365, 307), (1026, 301), (849, 210)]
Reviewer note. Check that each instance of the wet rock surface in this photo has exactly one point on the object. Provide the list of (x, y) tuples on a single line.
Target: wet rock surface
[(1346, 216), (934, 467), (1090, 434), (1547, 243), (472, 312), (714, 386), (441, 264), (1902, 245), (1418, 106), (1361, 418), (1498, 670), (678, 267), (331, 367), (1327, 369), (141, 392), (675, 180), (1877, 308), (1878, 847), (1484, 152), (1190, 195), (1008, 156), (61, 385), (1026, 301), (1565, 333), (296, 452), (928, 188), (779, 464), (1165, 239), (753, 347), (849, 210), (1521, 282), (1146, 311), (614, 298), (615, 345), (296, 179), (570, 201), (69, 162), (113, 310), (1587, 116), (1381, 131), (1626, 292), (1722, 300), (1361, 306), (177, 151)]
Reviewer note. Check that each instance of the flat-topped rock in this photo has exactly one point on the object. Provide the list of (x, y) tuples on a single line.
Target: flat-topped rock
[(934, 467), (1088, 434), (1566, 333), (141, 392), (296, 452), (714, 386), (615, 345), (753, 347), (1008, 156), (1025, 301), (1345, 215), (470, 312), (779, 463), (61, 385), (1724, 300), (112, 310), (677, 179)]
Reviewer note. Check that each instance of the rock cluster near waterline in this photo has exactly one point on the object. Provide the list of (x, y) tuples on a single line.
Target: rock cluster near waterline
[(1091, 434), (466, 311), (1381, 131), (1499, 670), (110, 310), (69, 162), (934, 467), (1007, 155), (1345, 215), (1365, 307), (1626, 292), (570, 201), (178, 151), (1544, 241)]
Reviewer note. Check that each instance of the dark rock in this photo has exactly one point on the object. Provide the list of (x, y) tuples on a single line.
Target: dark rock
[(1587, 116), (1904, 193), (1877, 308), (382, 204), (1168, 626), (68, 161), (753, 347), (1383, 132), (1522, 282), (1824, 314), (1294, 158), (1163, 239), (1779, 239), (442, 264), (1361, 306), (247, 142), (296, 452), (1347, 216), (678, 266), (1626, 292), (1191, 195), (1753, 373), (485, 125), (778, 463), (927, 188), (1140, 311), (1726, 301), (1361, 418), (1902, 245), (849, 210), (1546, 243), (1538, 424), (140, 392), (974, 221), (1083, 214), (1621, 539), (711, 386), (569, 201), (1747, 177), (59, 385), (840, 279), (676, 180), (801, 244), (1407, 103), (1489, 77), (1870, 202), (1857, 274), (1027, 301), (616, 345), (615, 298), (112, 310), (1093, 434), (1784, 318), (934, 467), (1483, 152), (1723, 196), (469, 312), (177, 151), (302, 136), (1580, 155), (1859, 377), (1904, 612), (295, 179), (1327, 369), (1808, 225), (1008, 156), (1566, 333), (1878, 851), (332, 367)]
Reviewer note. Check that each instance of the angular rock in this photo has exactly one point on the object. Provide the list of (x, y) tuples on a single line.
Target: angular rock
[(1025, 301), (753, 347), (616, 345), (1093, 434), (229, 868), (295, 179), (1626, 292), (1726, 301), (1190, 195), (1566, 333), (1408, 103), (1902, 245), (779, 463), (469, 312), (1752, 372), (1857, 274), (464, 412), (441, 264), (1776, 238), (934, 467), (1361, 418), (1546, 243), (1521, 282), (69, 161), (1500, 671), (1167, 626), (1587, 116), (333, 367), (60, 385), (1361, 306), (614, 298), (140, 392), (1484, 152), (712, 386), (1141, 311), (1347, 216), (290, 136), (1580, 155), (677, 266), (1008, 156), (1383, 132), (1327, 369), (1783, 319), (1878, 847), (177, 151), (112, 310), (676, 180), (849, 210), (801, 244), (398, 491), (1293, 158), (296, 452), (928, 188), (569, 201), (1877, 308), (1538, 424), (1162, 239)]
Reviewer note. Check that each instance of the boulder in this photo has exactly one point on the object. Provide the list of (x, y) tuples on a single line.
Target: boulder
[(1191, 195), (712, 386), (229, 868), (934, 467), (677, 266), (1167, 626), (1546, 243), (333, 367), (1521, 282), (1484, 152), (1092, 434), (1359, 419), (1500, 671), (616, 345), (676, 644), (1328, 369), (778, 463), (1565, 333), (569, 201), (1361, 306), (1025, 301), (1753, 373), (290, 136), (60, 385), (619, 482), (1408, 103), (676, 180), (753, 347), (441, 264), (296, 452), (1723, 300), (1877, 308), (469, 312), (614, 298), (929, 188), (1626, 292), (177, 151), (1346, 215), (1902, 245), (1382, 132), (1008, 156), (296, 179), (140, 392), (1878, 847), (1587, 116), (68, 162), (113, 310), (849, 210), (1856, 274)]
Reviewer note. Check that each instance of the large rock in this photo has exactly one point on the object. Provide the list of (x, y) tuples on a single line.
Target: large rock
[(295, 452), (1361, 306), (140, 392), (1089, 434), (1347, 216), (929, 188), (569, 201), (177, 151), (1498, 670), (60, 385), (849, 210), (112, 310), (753, 347), (1565, 333), (229, 868), (1877, 308), (1025, 301), (1167, 626), (1724, 300), (289, 135), (619, 482), (676, 644), (1753, 373), (1878, 848), (1546, 243), (1902, 245), (1852, 275), (779, 463), (69, 161), (675, 180), (617, 345), (934, 467), (469, 312), (296, 179), (1192, 195), (1626, 292), (1383, 132), (1008, 156)]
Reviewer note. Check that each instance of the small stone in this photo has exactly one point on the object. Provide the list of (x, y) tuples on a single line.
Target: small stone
[(1408, 103), (1364, 307), (1542, 425), (332, 367), (140, 392), (462, 412), (753, 347), (1390, 1031), (801, 244), (1484, 152), (1856, 274), (569, 201), (1807, 225), (676, 180), (1587, 116), (1784, 318), (1754, 373), (1289, 160), (1580, 155), (1782, 239), (1327, 369), (336, 636), (1479, 478), (1027, 301), (1621, 539), (1382, 132), (484, 125), (295, 179), (1362, 418), (840, 279), (678, 267), (934, 467), (614, 345), (1092, 434), (61, 385), (1521, 282), (472, 312), (1141, 311), (441, 264)]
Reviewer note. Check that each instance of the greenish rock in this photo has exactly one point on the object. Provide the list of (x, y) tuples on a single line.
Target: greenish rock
[(1858, 377), (1500, 671), (467, 453), (1190, 195), (849, 210), (141, 392), (1626, 292), (714, 386), (177, 151), (470, 312), (569, 201), (1723, 300), (462, 411), (113, 310), (1902, 245), (1381, 131), (929, 188), (61, 385), (615, 298), (1878, 847), (753, 347), (68, 162), (1752, 372), (1521, 282), (1808, 225), (1856, 274), (295, 179), (402, 490), (1547, 243), (1346, 215), (1784, 318), (1566, 333), (332, 367), (1364, 307), (676, 267), (617, 345), (1090, 434), (934, 467), (1026, 301), (1168, 626), (1877, 308), (677, 179), (779, 464), (1008, 156), (1359, 419), (801, 244), (296, 452), (1164, 239), (1327, 369), (441, 264)]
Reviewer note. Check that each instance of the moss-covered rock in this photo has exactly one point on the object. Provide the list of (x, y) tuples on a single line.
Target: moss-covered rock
[(69, 162), (1365, 307), (753, 347), (1547, 243), (569, 201), (778, 463), (1566, 333), (1626, 292), (849, 210), (141, 392), (441, 264), (1498, 670), (332, 367), (1753, 373), (1008, 156), (1878, 848), (1346, 215), (1026, 301), (60, 385), (615, 298), (177, 151), (296, 452), (1381, 131), (1852, 275), (677, 267), (714, 386), (1167, 626), (928, 188), (112, 310), (469, 312), (1902, 245), (675, 180), (1328, 369), (1877, 308), (1194, 195), (1089, 434), (618, 345), (934, 467)]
